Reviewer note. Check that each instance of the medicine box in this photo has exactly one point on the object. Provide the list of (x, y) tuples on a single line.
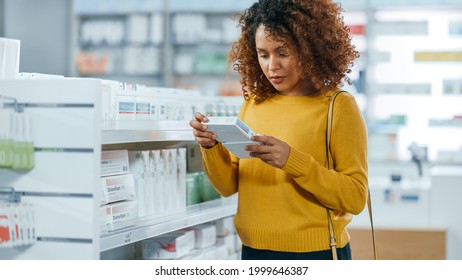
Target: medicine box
[(114, 162), (117, 188), (118, 215), (225, 226), (205, 235), (170, 246)]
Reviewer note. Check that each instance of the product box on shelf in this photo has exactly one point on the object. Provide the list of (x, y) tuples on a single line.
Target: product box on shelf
[(229, 243), (156, 177), (144, 107), (118, 215), (205, 235), (189, 233), (169, 246), (172, 179), (139, 166), (114, 162), (225, 226), (181, 178), (117, 188), (126, 107)]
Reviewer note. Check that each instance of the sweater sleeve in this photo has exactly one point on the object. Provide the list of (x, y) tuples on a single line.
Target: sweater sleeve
[(221, 168), (343, 188)]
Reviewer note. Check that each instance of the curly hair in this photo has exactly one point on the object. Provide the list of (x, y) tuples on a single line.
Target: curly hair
[(319, 39)]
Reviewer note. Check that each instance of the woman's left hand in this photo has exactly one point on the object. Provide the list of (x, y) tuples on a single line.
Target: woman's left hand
[(272, 151)]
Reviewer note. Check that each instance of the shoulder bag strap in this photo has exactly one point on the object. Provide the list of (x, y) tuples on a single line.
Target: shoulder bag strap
[(332, 238)]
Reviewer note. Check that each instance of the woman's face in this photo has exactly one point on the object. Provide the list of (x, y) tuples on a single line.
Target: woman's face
[(279, 65)]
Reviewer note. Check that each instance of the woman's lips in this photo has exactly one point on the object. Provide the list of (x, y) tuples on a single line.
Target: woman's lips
[(277, 79)]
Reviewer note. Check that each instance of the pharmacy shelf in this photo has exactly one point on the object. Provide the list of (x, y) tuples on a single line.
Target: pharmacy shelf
[(130, 131), (195, 214)]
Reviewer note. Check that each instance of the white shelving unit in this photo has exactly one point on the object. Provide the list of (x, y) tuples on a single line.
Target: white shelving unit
[(69, 135)]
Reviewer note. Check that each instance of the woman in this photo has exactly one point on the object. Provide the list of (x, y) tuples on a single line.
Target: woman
[(292, 57)]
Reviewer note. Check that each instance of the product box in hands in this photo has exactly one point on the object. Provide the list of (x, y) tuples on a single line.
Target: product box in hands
[(233, 133)]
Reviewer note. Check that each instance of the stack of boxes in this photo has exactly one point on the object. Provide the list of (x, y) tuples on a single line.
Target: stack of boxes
[(119, 207), (209, 241), (160, 181)]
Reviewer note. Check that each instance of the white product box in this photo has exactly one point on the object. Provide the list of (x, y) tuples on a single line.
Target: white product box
[(140, 168), (119, 215), (229, 243), (189, 233), (162, 110), (154, 109), (172, 167), (205, 235), (234, 134), (143, 108), (126, 107), (166, 172), (170, 246), (9, 58), (156, 177), (181, 178), (114, 162), (117, 188), (225, 226)]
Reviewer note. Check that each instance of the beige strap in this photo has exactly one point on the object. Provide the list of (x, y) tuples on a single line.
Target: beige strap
[(332, 238)]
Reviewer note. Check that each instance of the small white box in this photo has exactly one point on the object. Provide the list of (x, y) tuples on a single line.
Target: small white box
[(143, 108), (9, 58), (205, 235), (190, 236), (140, 168), (126, 107), (117, 188), (229, 243), (114, 162), (181, 178), (155, 165), (170, 246), (119, 215), (225, 226)]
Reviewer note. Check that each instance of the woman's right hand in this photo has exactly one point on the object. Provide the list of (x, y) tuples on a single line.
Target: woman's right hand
[(203, 137)]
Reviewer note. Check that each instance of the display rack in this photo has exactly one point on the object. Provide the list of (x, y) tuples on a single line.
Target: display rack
[(69, 135)]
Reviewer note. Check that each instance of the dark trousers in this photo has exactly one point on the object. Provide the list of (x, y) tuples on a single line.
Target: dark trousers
[(257, 254)]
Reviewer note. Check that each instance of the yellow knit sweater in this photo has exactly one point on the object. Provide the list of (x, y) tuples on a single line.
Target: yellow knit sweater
[(285, 209)]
